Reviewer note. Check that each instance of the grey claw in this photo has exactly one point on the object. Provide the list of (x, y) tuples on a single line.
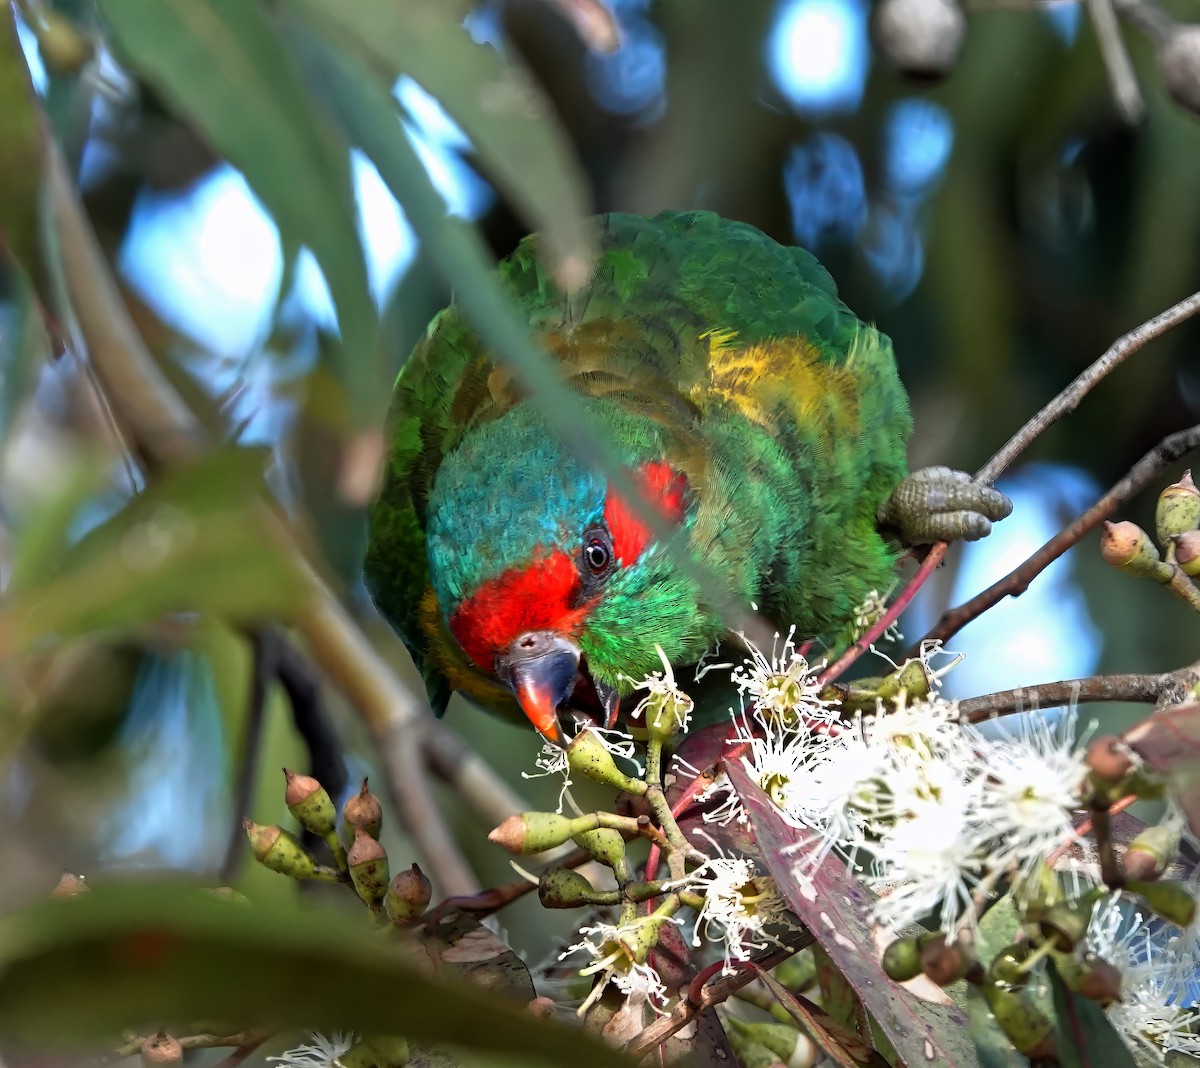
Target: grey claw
[(940, 504)]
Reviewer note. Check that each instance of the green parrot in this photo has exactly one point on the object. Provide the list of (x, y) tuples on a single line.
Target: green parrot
[(762, 420)]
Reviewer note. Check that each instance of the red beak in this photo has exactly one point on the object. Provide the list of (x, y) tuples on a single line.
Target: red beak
[(541, 666)]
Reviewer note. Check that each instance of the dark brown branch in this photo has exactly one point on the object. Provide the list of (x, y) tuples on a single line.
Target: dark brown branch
[(713, 994), (1016, 582), (1145, 688)]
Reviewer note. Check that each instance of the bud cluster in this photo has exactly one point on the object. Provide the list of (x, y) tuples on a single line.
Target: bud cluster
[(401, 900), (1177, 528)]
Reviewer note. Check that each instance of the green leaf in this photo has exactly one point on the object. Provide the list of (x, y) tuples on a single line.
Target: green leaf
[(150, 955), (197, 541), (497, 103), (24, 345), (220, 65), (20, 159), (1085, 1037)]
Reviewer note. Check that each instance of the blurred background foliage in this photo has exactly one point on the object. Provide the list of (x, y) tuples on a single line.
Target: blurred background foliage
[(1004, 224)]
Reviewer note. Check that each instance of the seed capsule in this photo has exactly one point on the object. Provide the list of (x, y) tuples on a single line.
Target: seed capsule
[(161, 1050), (307, 800), (532, 832), (1187, 553), (363, 810), (1151, 853), (1178, 510), (1128, 548), (408, 896), (902, 960), (1029, 1029), (276, 849), (368, 863)]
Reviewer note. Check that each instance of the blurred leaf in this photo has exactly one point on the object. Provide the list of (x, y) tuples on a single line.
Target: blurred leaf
[(151, 955), (197, 541), (45, 528), (1169, 742), (992, 1047), (1085, 1037), (839, 1045), (833, 908), (24, 345), (20, 158), (220, 65), (497, 103)]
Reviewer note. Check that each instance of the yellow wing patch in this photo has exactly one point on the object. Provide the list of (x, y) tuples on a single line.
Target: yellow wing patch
[(782, 377)]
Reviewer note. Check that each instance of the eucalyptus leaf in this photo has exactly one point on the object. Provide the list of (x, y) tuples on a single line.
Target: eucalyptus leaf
[(499, 106), (24, 344), (159, 954), (1085, 1037), (221, 66)]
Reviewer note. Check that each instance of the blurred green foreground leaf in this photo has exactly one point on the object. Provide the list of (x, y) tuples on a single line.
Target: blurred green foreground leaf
[(148, 955)]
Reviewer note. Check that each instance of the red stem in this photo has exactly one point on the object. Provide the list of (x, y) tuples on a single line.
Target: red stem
[(930, 564)]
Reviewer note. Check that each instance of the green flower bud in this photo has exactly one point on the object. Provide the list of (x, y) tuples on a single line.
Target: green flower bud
[(1029, 1029), (386, 1051), (1129, 548), (780, 1038), (1170, 899), (1008, 965), (562, 888), (1065, 924), (902, 960), (363, 810), (274, 848), (604, 844), (307, 800), (1090, 977), (368, 864), (1187, 553), (665, 714), (1151, 853), (1109, 758), (532, 832), (161, 1050), (408, 896), (942, 962), (1178, 510), (586, 754)]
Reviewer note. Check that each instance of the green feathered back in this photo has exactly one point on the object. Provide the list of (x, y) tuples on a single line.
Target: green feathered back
[(703, 340)]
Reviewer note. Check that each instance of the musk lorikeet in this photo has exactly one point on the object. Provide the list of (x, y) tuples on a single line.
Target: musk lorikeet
[(763, 420)]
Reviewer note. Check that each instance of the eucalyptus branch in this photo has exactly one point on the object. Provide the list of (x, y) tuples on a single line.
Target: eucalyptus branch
[(710, 995), (1017, 581), (1068, 400), (1144, 688), (249, 1038), (1121, 75)]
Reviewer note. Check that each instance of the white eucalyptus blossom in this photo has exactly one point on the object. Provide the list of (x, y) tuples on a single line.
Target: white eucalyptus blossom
[(782, 686), (614, 950), (323, 1051), (739, 906), (1155, 1015), (870, 612), (1032, 783), (929, 861), (663, 697)]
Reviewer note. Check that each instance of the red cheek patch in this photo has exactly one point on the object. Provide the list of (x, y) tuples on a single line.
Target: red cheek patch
[(666, 490), (537, 597)]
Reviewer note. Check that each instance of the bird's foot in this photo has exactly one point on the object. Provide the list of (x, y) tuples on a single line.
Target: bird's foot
[(941, 504)]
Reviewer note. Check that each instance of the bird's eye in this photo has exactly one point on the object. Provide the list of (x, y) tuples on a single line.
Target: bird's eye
[(597, 553)]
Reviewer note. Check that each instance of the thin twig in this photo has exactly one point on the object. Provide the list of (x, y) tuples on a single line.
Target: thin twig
[(251, 1037), (1017, 581), (1068, 400), (713, 994), (262, 671), (1144, 688), (1121, 75)]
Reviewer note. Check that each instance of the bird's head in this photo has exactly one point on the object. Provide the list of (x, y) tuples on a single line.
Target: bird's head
[(549, 582)]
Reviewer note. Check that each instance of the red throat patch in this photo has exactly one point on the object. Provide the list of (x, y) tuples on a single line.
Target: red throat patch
[(666, 489), (537, 597)]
